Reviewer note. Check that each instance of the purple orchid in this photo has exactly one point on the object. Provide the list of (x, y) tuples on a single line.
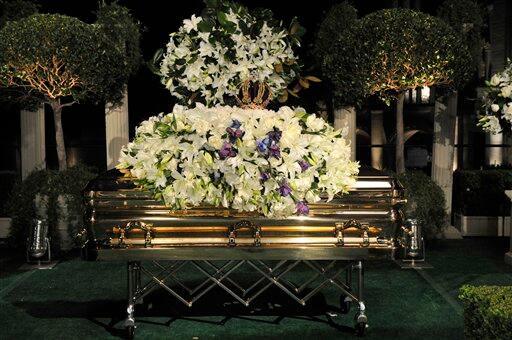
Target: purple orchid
[(234, 130), (284, 189), (274, 151), (275, 135), (227, 150), (304, 165), (264, 176), (302, 208)]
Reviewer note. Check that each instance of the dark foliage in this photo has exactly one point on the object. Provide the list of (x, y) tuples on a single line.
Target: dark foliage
[(51, 183), (425, 202), (482, 192), (487, 312)]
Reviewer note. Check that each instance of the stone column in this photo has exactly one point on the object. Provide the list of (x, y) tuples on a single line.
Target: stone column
[(508, 256), (33, 151), (346, 116), (117, 130), (444, 146), (378, 137), (494, 154)]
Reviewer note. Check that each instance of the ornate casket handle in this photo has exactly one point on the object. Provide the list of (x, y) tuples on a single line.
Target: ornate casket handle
[(244, 224), (340, 227), (146, 227)]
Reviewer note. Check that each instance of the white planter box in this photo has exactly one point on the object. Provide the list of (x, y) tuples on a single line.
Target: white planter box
[(483, 225), (5, 225)]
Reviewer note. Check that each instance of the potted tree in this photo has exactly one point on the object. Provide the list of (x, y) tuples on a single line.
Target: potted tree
[(337, 51), (408, 50)]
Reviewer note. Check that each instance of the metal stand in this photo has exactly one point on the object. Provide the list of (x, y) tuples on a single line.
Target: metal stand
[(39, 261), (216, 275)]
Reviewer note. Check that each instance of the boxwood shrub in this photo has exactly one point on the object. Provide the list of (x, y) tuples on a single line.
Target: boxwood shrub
[(425, 202), (487, 312), (482, 192), (51, 183)]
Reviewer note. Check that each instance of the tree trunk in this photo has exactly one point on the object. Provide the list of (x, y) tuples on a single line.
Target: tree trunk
[(59, 134), (399, 151)]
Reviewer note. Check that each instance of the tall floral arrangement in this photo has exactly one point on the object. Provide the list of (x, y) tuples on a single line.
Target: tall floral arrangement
[(497, 100), (209, 56), (274, 163)]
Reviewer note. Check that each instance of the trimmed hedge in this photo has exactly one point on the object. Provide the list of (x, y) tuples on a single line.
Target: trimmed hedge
[(51, 183), (482, 192), (425, 202), (487, 312)]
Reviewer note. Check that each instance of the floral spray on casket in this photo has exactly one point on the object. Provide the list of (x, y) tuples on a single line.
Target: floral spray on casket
[(246, 158)]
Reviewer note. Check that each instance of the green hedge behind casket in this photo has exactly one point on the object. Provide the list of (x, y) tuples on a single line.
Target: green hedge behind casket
[(482, 192)]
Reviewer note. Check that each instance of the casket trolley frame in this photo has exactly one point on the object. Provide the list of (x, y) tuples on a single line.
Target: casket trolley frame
[(154, 261)]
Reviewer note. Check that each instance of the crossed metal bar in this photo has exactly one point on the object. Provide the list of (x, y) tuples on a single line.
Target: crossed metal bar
[(216, 275), (219, 276)]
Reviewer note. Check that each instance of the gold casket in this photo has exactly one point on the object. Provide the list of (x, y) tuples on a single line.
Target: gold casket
[(124, 222)]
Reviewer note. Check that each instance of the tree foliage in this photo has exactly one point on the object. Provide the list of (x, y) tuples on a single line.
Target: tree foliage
[(11, 10), (338, 50), (118, 24), (57, 57), (410, 49), (338, 19), (466, 17)]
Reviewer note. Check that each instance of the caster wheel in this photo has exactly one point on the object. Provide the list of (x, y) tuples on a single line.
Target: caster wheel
[(130, 332), (361, 328), (345, 303)]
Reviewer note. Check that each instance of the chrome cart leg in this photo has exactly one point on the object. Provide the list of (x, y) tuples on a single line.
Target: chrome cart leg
[(345, 300), (129, 323), (361, 321)]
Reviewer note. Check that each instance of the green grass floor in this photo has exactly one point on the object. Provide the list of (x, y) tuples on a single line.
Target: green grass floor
[(86, 300)]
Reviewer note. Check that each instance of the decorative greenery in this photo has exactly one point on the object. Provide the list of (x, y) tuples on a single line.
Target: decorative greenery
[(497, 102), (12, 10), (20, 206), (487, 312), (60, 60), (339, 18), (482, 192), (209, 57), (272, 163), (425, 202), (119, 25), (466, 17), (410, 49), (338, 48), (407, 50)]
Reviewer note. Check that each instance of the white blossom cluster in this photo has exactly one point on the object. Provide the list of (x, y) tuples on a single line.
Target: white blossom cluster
[(498, 102), (207, 63), (274, 163)]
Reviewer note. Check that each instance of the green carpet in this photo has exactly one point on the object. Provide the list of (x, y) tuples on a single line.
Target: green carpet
[(87, 300)]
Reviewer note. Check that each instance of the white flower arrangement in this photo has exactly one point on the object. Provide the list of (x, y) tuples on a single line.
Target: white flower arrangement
[(208, 58), (498, 102), (273, 163)]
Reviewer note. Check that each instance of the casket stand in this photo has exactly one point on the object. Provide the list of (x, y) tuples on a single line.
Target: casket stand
[(123, 222)]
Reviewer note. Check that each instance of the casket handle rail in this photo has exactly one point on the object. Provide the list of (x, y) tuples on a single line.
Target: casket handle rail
[(340, 228), (244, 224)]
